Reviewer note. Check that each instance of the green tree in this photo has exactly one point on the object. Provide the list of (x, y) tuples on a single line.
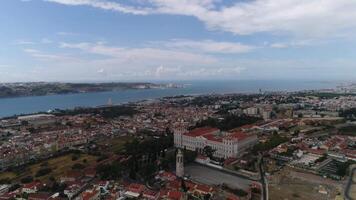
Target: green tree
[(148, 171), (110, 171), (78, 166), (271, 143), (209, 152), (229, 122), (43, 172), (27, 179)]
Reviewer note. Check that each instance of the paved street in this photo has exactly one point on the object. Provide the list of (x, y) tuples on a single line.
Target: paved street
[(211, 176), (350, 190)]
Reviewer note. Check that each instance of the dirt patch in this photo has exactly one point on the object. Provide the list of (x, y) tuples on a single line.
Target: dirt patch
[(284, 185)]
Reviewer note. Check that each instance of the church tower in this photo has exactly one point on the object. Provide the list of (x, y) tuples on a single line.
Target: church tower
[(180, 164)]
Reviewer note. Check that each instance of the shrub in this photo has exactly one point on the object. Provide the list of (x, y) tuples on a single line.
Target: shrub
[(27, 179), (43, 171), (5, 181), (75, 157), (78, 166)]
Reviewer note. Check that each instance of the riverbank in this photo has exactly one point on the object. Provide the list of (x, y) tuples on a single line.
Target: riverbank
[(33, 104)]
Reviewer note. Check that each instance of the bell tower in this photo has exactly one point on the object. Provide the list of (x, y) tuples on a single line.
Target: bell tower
[(180, 164)]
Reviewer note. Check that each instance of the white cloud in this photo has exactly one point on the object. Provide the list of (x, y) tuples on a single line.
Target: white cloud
[(296, 44), (198, 72), (163, 71), (48, 56), (101, 71), (31, 51), (46, 41), (106, 5), (110, 65), (208, 46), (23, 42), (63, 33), (147, 55), (279, 45), (97, 61), (4, 66), (302, 18)]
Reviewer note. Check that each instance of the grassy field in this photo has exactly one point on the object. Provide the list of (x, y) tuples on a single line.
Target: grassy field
[(61, 165), (7, 175), (58, 165), (115, 144)]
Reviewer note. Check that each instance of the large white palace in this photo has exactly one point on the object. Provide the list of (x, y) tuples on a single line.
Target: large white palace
[(225, 144)]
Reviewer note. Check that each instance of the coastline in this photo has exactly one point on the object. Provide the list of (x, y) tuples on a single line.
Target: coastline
[(35, 104)]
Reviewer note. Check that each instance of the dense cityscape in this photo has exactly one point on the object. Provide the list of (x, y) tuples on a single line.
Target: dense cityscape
[(177, 100), (233, 146)]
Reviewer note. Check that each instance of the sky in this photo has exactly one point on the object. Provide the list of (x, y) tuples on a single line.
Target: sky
[(139, 40)]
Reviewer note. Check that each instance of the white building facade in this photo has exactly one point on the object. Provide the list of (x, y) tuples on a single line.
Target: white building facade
[(225, 144)]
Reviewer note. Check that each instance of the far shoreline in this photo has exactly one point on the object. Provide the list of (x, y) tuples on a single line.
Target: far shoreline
[(26, 105)]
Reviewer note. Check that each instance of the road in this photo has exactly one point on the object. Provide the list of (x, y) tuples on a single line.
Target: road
[(348, 192), (263, 180)]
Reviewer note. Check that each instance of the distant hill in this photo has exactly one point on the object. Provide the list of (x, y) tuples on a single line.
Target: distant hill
[(46, 88)]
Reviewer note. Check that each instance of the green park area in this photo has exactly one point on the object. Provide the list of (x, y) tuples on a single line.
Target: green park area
[(44, 170)]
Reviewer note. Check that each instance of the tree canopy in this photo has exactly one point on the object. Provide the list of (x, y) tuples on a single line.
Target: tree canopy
[(228, 122)]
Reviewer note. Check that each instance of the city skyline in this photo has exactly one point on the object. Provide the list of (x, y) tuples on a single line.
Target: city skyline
[(107, 40)]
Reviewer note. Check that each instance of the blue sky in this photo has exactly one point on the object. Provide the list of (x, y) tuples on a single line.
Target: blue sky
[(135, 40)]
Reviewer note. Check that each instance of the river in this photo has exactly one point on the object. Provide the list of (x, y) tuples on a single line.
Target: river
[(26, 105)]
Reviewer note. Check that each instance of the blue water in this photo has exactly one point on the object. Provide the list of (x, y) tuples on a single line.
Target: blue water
[(25, 105)]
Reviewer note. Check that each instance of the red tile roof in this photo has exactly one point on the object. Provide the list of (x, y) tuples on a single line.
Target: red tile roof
[(190, 185), (316, 151), (350, 153), (137, 188), (32, 185), (162, 193), (37, 196), (150, 194), (204, 188), (7, 196), (168, 175), (239, 136), (201, 131), (232, 197), (175, 195), (176, 184), (212, 137), (103, 183), (89, 194)]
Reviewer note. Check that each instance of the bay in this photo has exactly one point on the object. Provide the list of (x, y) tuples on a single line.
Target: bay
[(32, 104)]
